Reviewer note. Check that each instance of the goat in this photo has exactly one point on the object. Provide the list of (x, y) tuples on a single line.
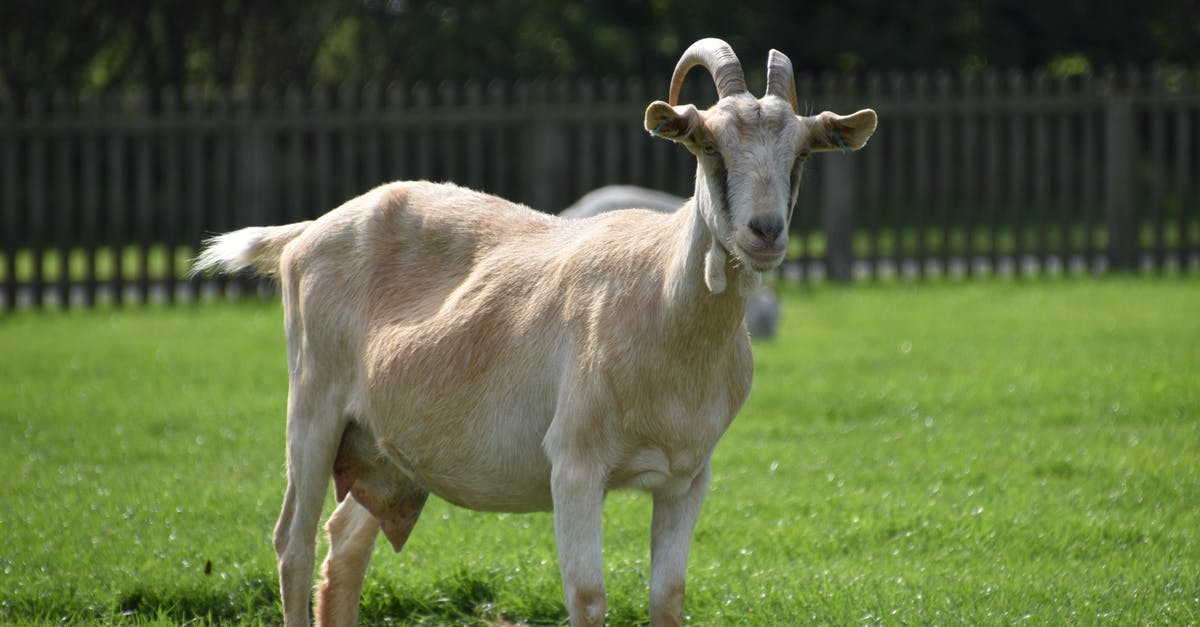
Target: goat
[(762, 306), (612, 197), (444, 341)]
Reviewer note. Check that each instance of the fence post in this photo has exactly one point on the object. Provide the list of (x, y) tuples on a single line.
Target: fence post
[(1118, 176), (837, 215), (10, 203), (250, 186), (548, 148)]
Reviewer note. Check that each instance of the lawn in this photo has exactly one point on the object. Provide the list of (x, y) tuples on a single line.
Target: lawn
[(978, 453)]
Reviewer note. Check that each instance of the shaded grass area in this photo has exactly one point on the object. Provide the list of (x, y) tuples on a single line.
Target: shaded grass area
[(975, 453)]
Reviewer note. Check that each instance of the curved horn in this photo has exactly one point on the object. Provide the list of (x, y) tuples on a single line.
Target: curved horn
[(780, 80), (718, 58)]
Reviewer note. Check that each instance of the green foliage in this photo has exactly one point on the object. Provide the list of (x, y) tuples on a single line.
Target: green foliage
[(168, 44), (983, 453)]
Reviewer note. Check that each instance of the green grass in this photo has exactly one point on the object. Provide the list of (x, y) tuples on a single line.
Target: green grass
[(981, 453)]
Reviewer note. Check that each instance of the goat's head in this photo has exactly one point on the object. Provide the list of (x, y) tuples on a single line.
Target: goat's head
[(751, 152)]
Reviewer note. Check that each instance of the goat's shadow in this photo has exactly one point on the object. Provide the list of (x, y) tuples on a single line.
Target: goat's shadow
[(467, 597)]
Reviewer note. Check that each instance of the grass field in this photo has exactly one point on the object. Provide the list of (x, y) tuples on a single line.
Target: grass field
[(983, 453)]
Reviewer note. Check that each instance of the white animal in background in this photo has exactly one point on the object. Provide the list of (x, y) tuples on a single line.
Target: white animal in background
[(449, 342), (762, 313), (612, 197)]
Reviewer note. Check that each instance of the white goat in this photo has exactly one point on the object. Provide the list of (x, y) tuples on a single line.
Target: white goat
[(613, 197), (444, 341)]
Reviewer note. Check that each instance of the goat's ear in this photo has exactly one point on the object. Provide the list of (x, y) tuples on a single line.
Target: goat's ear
[(830, 131), (673, 123)]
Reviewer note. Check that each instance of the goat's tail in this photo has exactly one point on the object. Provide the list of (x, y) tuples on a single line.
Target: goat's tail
[(257, 247)]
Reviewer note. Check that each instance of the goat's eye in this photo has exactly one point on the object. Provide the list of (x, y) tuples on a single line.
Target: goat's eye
[(708, 147), (802, 155)]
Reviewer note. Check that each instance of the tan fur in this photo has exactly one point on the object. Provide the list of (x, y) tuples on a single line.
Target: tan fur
[(444, 341)]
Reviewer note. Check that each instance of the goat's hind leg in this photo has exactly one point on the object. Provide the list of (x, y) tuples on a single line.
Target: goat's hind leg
[(380, 498), (352, 531), (313, 428)]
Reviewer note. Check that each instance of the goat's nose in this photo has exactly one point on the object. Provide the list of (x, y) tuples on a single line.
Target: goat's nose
[(767, 228)]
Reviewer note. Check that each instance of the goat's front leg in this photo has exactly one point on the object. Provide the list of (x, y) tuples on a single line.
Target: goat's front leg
[(674, 520), (578, 493)]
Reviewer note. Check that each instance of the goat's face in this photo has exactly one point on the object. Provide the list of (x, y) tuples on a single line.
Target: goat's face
[(750, 151)]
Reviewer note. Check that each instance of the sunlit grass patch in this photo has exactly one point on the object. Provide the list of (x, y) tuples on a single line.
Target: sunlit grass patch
[(975, 453)]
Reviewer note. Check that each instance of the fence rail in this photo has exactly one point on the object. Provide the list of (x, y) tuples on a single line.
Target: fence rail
[(106, 197)]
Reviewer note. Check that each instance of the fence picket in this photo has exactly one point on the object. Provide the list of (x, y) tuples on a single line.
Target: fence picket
[(1090, 180), (370, 153), (347, 166), (423, 106), (10, 239), (292, 176), (219, 213), (1041, 172), (1157, 194), (636, 171), (89, 201), (322, 198), (944, 120), (1067, 160), (473, 106), (143, 203), (900, 141), (1118, 174), (969, 179), (195, 189), (1187, 163), (61, 180), (117, 201), (36, 199), (873, 201)]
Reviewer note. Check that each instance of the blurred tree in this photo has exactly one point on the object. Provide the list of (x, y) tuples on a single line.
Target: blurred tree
[(175, 44)]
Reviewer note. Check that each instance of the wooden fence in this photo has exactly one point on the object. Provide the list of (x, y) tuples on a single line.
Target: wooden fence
[(106, 198)]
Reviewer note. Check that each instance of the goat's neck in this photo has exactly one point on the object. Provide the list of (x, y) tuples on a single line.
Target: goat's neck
[(693, 303)]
